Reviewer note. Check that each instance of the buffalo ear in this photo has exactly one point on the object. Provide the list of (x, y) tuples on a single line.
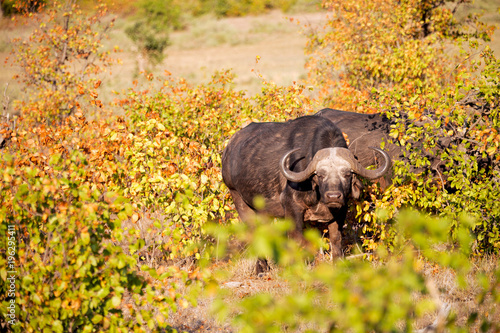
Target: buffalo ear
[(357, 187)]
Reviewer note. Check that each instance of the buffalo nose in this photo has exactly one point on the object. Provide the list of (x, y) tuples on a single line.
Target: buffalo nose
[(333, 195)]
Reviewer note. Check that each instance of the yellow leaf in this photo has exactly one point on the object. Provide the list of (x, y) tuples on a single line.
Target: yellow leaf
[(215, 204), (184, 303), (7, 178), (85, 237)]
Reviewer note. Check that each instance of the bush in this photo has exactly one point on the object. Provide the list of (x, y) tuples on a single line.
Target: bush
[(454, 141), (171, 146), (61, 60), (150, 32), (391, 58), (171, 151), (393, 294), (393, 45), (70, 273), (75, 266)]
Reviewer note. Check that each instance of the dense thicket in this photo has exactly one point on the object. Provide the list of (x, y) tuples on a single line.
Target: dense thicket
[(402, 58)]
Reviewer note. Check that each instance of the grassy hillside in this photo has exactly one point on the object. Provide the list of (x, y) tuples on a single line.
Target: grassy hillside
[(208, 44)]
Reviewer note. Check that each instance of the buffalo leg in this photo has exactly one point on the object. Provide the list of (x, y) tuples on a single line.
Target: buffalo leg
[(244, 211), (262, 266), (335, 239), (297, 216)]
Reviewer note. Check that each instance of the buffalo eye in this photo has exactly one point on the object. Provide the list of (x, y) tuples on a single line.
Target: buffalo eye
[(346, 173)]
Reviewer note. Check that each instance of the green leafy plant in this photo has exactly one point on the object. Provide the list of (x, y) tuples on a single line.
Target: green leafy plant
[(150, 32), (70, 273), (354, 294), (387, 57), (450, 143)]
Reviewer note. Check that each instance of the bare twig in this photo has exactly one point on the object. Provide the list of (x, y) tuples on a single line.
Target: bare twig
[(436, 168), (6, 100), (360, 255), (444, 310)]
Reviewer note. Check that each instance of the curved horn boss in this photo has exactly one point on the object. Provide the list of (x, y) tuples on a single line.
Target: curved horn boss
[(325, 153), (296, 176), (357, 168)]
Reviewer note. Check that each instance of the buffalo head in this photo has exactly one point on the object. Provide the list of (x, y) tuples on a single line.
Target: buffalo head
[(332, 170)]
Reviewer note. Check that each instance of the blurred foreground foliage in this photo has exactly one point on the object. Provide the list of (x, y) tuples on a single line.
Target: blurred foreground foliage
[(106, 208), (392, 294)]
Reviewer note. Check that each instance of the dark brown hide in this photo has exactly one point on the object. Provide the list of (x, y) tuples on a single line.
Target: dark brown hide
[(251, 168)]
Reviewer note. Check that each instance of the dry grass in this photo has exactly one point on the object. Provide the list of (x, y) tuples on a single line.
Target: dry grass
[(237, 281), (464, 301), (209, 44)]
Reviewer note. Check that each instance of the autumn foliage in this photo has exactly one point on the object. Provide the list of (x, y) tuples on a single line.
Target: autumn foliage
[(61, 61), (105, 207), (93, 195), (401, 46)]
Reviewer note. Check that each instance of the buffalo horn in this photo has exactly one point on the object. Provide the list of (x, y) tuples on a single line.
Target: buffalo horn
[(360, 170), (300, 176), (292, 175), (344, 153)]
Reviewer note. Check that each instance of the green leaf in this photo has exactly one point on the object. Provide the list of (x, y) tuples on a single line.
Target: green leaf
[(96, 319), (85, 236), (116, 301)]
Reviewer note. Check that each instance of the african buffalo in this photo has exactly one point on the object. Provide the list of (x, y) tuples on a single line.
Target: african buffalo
[(302, 168)]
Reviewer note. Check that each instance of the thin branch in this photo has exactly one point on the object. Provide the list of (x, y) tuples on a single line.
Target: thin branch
[(440, 175), (6, 99), (360, 255), (444, 310)]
